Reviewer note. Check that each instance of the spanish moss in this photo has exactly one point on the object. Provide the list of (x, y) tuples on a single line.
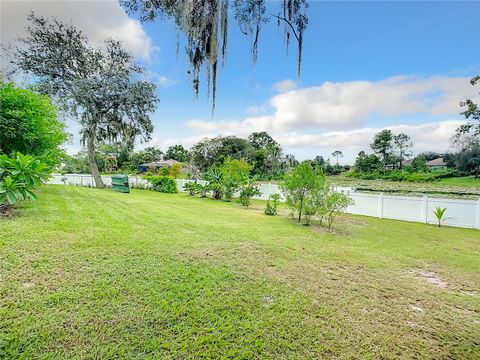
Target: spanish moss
[(204, 24)]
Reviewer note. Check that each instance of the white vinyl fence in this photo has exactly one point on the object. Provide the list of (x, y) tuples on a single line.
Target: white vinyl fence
[(460, 213)]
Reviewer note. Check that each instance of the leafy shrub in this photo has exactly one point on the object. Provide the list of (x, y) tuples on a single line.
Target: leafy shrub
[(192, 188), (214, 176), (165, 184), (408, 175), (19, 176), (246, 194), (332, 203), (272, 203), (203, 189)]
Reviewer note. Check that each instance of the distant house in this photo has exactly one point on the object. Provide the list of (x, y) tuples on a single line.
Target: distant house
[(156, 165), (437, 163), (408, 162)]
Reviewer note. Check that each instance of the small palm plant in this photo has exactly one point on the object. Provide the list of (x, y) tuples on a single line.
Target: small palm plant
[(440, 215)]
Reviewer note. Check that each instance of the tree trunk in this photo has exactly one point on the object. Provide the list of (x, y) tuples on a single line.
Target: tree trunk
[(92, 163), (300, 209)]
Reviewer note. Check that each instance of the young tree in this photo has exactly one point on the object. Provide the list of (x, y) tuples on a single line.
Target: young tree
[(403, 145), (175, 170), (337, 154), (101, 87), (382, 146), (333, 202), (301, 183), (29, 124), (177, 152)]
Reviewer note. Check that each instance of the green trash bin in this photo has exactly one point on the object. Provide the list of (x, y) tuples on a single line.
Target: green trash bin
[(120, 183)]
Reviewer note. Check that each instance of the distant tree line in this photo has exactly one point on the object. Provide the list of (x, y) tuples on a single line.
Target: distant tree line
[(390, 152)]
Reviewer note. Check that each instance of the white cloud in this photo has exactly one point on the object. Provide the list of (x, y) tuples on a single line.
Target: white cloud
[(161, 80), (284, 86), (97, 19), (330, 116), (433, 136), (344, 106)]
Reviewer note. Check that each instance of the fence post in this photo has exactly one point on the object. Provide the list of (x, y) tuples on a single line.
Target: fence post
[(380, 206), (478, 214), (425, 209)]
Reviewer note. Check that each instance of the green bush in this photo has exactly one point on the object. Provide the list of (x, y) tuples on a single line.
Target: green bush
[(408, 175), (19, 176), (192, 188), (272, 204), (246, 194), (165, 184)]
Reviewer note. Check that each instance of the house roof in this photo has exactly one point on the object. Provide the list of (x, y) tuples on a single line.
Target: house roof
[(160, 163), (407, 162), (436, 162)]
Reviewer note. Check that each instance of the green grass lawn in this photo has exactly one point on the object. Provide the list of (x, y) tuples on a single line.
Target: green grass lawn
[(95, 274), (466, 181)]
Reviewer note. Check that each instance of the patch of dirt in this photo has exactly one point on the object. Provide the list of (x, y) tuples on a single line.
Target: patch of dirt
[(432, 278), (7, 210)]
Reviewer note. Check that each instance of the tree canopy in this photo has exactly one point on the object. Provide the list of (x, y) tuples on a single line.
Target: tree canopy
[(468, 135), (101, 87)]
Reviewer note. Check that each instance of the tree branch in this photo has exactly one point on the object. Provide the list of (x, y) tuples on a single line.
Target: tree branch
[(289, 23)]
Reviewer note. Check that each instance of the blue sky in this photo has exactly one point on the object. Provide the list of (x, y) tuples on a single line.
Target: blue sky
[(366, 66)]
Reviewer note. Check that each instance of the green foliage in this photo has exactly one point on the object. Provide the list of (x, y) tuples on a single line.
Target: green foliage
[(439, 215), (177, 152), (272, 204), (224, 180), (234, 174), (165, 184), (29, 124), (382, 145), (366, 163), (214, 176), (408, 174), (19, 176), (203, 189), (302, 184), (332, 203), (209, 151), (468, 161), (193, 188), (246, 193), (468, 135)]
